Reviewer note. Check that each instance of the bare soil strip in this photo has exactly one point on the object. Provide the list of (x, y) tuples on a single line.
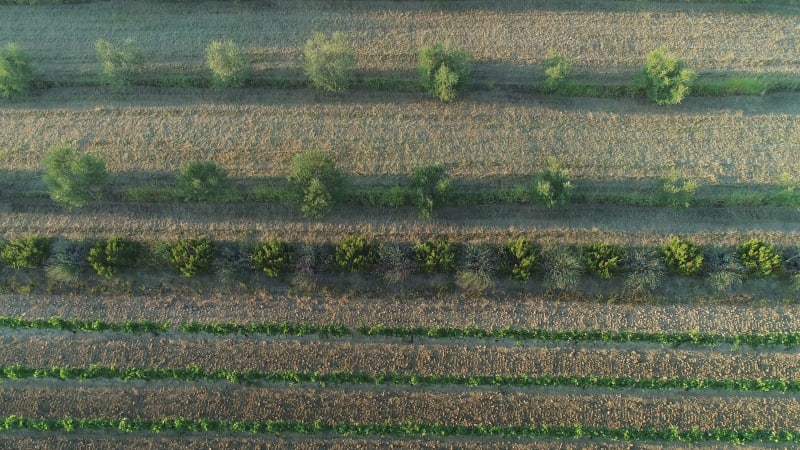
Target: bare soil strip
[(475, 357), (590, 408)]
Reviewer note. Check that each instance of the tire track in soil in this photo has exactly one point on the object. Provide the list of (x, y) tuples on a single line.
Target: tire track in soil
[(449, 406)]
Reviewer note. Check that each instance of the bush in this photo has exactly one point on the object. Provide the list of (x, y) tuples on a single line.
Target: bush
[(553, 186), (602, 259), (435, 256), (431, 187), (683, 257), (479, 264), (29, 253), (562, 269), (557, 68), (317, 200), (74, 179), (318, 184), (677, 191), (355, 254), (108, 256), (202, 181), (229, 65), (119, 66), (646, 273), (68, 260), (759, 258), (443, 71), (329, 63), (523, 257), (192, 256), (273, 257), (664, 79), (16, 71)]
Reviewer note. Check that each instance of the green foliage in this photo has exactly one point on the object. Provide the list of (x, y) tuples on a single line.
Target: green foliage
[(431, 188), (435, 256), (602, 259), (329, 63), (317, 200), (273, 257), (557, 68), (562, 269), (202, 181), (192, 256), (29, 253), (523, 257), (677, 191), (664, 79), (16, 71), (308, 165), (553, 186), (119, 65), (444, 71), (74, 179), (355, 254), (108, 256), (759, 258), (683, 257), (229, 65)]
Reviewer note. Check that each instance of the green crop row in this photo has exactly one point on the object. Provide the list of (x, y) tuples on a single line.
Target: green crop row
[(194, 373), (412, 429), (520, 334)]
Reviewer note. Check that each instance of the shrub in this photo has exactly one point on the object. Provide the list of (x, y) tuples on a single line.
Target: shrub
[(108, 256), (435, 256), (664, 78), (229, 65), (74, 179), (30, 252), (317, 200), (273, 257), (557, 68), (119, 66), (202, 181), (562, 269), (479, 263), (443, 71), (317, 183), (397, 266), (329, 63), (726, 272), (306, 267), (192, 256), (431, 186), (602, 259), (646, 273), (16, 71), (523, 257), (759, 258), (355, 254), (68, 259), (683, 257), (553, 186), (677, 191)]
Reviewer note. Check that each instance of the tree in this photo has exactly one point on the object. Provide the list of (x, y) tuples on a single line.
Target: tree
[(16, 71), (202, 181), (318, 183), (443, 71), (557, 68), (553, 186), (431, 186), (119, 66), (664, 78), (74, 179), (329, 63), (228, 64)]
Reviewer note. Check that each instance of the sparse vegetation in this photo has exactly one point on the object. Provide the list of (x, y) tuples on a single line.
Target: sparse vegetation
[(677, 191), (16, 71), (228, 64), (431, 187), (557, 68), (443, 70), (122, 65), (553, 186), (329, 62)]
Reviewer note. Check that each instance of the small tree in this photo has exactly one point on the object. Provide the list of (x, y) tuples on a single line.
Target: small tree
[(683, 256), (431, 187), (30, 252), (202, 181), (108, 256), (318, 184), (759, 258), (443, 71), (435, 256), (553, 186), (664, 78), (229, 65), (557, 68), (74, 179), (677, 191), (602, 259), (273, 258), (329, 63), (119, 66), (523, 258), (16, 71), (192, 256), (355, 254)]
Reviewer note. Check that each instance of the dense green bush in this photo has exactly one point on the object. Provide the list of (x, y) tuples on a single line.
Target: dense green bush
[(329, 63), (435, 256), (431, 187), (229, 65), (108, 256), (317, 200), (317, 182), (355, 254), (553, 186), (602, 259), (16, 71), (759, 258), (202, 181), (683, 257), (557, 68), (119, 65), (443, 71), (523, 258), (74, 179), (29, 253), (562, 268), (273, 258), (192, 256), (664, 78), (677, 191)]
